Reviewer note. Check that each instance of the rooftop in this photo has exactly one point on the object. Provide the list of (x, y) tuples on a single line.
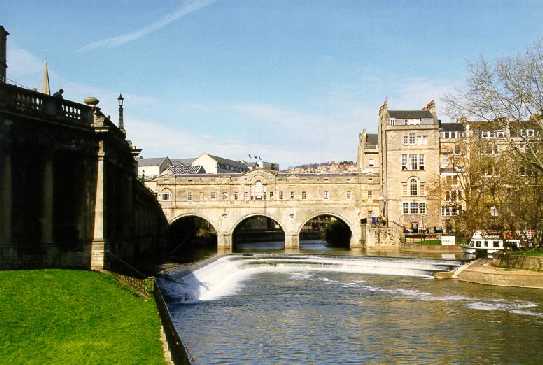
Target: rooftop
[(410, 114)]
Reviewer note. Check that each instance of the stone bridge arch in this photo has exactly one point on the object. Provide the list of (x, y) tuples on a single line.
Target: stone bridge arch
[(351, 220), (235, 222)]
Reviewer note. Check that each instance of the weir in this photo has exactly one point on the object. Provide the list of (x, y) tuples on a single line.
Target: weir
[(224, 276)]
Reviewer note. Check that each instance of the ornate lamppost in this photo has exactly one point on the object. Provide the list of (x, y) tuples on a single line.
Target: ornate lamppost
[(120, 100)]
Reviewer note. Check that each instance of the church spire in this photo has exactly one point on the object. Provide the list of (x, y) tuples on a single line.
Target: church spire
[(45, 82)]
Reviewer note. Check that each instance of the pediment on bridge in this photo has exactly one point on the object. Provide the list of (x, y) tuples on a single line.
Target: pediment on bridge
[(265, 176)]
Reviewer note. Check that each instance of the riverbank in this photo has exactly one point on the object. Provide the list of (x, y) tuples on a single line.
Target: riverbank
[(483, 272), (75, 317)]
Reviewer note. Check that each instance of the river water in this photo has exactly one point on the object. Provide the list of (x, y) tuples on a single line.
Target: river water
[(319, 309)]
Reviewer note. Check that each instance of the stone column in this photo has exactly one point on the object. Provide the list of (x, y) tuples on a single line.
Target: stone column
[(47, 201), (6, 192), (98, 245)]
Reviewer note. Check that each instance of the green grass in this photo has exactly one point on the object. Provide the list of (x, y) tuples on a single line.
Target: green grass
[(530, 252), (75, 317), (418, 241)]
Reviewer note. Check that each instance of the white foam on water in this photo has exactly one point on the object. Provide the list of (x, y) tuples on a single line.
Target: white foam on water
[(225, 276)]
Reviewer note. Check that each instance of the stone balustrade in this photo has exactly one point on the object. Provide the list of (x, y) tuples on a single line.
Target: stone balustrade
[(33, 103)]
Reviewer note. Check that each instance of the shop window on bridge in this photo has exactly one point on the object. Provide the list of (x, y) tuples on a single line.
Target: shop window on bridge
[(236, 196), (292, 195), (349, 195), (304, 195), (165, 195), (259, 190), (189, 195), (213, 195), (326, 195), (370, 195)]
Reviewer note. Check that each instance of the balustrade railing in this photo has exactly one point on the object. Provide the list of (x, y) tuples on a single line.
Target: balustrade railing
[(25, 101)]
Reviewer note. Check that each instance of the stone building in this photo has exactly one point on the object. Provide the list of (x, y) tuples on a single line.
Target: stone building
[(409, 150)]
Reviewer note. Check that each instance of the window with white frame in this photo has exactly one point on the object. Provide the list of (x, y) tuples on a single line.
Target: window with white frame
[(304, 195), (422, 188), (405, 208), (406, 139), (422, 208), (189, 195), (412, 138), (414, 208), (326, 195), (404, 188), (280, 195), (292, 195), (404, 162), (370, 195), (246, 195), (421, 162), (213, 195), (413, 162), (236, 195), (413, 187), (348, 195)]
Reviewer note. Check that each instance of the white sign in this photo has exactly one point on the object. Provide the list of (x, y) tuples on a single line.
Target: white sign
[(448, 240)]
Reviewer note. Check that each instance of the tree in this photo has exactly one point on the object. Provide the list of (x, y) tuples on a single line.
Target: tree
[(505, 95)]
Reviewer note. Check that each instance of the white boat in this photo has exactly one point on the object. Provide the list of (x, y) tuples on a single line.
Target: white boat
[(489, 243)]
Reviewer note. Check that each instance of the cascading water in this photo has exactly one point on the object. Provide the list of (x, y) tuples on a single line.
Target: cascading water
[(269, 309), (225, 275)]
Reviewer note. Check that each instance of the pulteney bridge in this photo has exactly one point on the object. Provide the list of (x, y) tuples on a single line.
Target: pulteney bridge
[(291, 200)]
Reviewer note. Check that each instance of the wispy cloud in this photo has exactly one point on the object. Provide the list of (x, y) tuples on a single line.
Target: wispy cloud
[(185, 7)]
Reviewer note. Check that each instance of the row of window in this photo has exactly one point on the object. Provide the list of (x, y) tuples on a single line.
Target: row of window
[(413, 139), (413, 208), (412, 162), (449, 211), (166, 195), (453, 134)]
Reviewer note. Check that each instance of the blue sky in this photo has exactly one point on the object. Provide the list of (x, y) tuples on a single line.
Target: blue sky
[(292, 81)]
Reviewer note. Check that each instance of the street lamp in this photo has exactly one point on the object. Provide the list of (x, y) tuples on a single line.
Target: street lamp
[(120, 100)]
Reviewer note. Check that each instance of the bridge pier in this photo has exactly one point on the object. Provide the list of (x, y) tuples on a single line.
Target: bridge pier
[(224, 241), (292, 241)]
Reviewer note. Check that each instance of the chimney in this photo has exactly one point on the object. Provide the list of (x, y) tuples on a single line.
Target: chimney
[(431, 107), (3, 54)]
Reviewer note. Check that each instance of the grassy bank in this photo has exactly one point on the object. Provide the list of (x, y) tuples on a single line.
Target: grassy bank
[(530, 252), (74, 317)]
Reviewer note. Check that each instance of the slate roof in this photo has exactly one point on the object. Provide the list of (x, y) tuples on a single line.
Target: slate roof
[(157, 161), (226, 161), (410, 114), (372, 138), (186, 170), (447, 127), (182, 161)]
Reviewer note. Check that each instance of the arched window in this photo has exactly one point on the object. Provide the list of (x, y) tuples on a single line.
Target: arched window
[(413, 187)]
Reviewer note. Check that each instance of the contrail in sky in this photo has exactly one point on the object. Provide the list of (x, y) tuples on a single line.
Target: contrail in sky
[(186, 7)]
